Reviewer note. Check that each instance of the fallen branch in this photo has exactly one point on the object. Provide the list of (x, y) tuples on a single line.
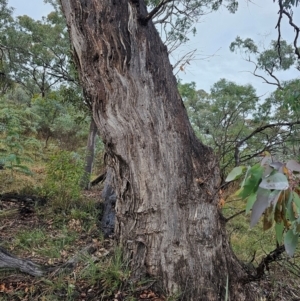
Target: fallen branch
[(99, 179), (25, 199), (9, 261)]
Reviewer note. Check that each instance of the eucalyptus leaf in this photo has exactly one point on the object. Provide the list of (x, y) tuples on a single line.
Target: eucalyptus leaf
[(293, 165), (266, 161), (252, 181), (290, 242), (296, 200), (276, 181), (268, 219), (279, 232), (250, 202), (235, 173), (289, 208), (265, 198), (276, 165)]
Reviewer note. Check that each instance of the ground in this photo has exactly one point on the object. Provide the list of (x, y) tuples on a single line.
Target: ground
[(50, 237)]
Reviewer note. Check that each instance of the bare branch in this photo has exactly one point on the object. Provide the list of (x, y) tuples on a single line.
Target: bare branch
[(297, 29), (283, 11), (150, 15), (277, 83), (234, 215), (279, 30)]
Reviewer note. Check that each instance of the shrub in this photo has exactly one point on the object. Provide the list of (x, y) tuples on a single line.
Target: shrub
[(64, 172)]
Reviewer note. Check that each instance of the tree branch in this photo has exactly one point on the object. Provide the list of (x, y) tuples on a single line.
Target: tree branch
[(234, 215), (144, 20), (261, 129)]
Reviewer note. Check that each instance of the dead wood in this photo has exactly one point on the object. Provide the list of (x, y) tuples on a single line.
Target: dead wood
[(10, 262), (27, 200), (99, 179)]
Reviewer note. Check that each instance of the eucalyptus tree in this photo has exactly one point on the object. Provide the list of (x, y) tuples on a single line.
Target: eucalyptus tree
[(38, 56), (166, 180), (5, 21), (238, 125), (268, 60), (279, 56), (38, 53)]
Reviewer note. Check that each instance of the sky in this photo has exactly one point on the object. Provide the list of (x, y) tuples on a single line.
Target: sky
[(256, 19)]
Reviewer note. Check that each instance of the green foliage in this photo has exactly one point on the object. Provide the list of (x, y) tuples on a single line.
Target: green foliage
[(59, 120), (235, 173), (272, 188), (62, 185), (235, 123), (269, 59), (289, 97), (41, 60), (222, 119), (17, 124), (290, 3)]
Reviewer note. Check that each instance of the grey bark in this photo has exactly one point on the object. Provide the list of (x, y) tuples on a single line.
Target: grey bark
[(109, 197), (166, 180), (10, 261), (90, 154)]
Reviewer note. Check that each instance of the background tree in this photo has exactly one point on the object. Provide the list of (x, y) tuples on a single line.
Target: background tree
[(18, 124), (238, 125), (38, 57)]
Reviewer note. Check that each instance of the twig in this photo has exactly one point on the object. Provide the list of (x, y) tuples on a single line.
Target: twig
[(234, 215)]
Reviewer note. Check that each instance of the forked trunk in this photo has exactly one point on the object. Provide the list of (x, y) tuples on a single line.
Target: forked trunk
[(166, 180)]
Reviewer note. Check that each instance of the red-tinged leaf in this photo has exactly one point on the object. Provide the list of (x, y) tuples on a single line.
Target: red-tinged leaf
[(2, 288), (279, 214), (268, 218), (290, 242), (265, 198), (293, 165)]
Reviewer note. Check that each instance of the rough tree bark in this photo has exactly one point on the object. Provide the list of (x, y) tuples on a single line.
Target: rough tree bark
[(90, 155), (166, 181)]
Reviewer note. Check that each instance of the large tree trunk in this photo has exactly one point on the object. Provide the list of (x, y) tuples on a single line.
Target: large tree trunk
[(166, 181)]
